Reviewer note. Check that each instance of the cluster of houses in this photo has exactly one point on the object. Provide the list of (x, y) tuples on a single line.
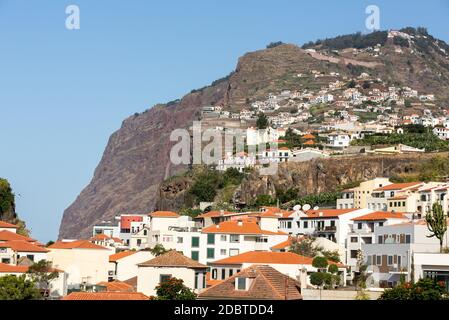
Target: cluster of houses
[(220, 254)]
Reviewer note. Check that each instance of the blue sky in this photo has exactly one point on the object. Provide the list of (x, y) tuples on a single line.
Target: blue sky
[(62, 93)]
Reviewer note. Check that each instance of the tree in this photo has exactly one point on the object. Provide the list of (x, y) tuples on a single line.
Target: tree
[(158, 250), (174, 289), (18, 288), (437, 223), (43, 274), (304, 247), (320, 262), (424, 289), (262, 121)]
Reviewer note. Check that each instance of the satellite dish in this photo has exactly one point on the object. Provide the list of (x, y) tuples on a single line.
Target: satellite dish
[(316, 208), (306, 207), (297, 207)]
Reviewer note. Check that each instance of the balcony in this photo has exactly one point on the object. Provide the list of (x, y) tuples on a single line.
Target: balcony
[(326, 229)]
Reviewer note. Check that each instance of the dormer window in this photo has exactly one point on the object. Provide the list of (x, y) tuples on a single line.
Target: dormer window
[(240, 284)]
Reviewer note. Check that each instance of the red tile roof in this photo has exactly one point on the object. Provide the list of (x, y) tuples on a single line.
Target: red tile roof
[(173, 259), (309, 143), (380, 215), (239, 227), (4, 224), (78, 244), (282, 245), (266, 284), (214, 214), (116, 286), (100, 237), (308, 136), (120, 255), (7, 268), (6, 235), (22, 246), (106, 296), (125, 221), (327, 213), (164, 214), (398, 186)]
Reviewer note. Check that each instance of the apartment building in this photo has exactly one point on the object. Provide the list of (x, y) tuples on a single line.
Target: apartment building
[(390, 256), (357, 197), (394, 192), (362, 232)]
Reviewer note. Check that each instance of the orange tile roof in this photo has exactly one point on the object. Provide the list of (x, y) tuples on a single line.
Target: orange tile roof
[(100, 237), (267, 284), (327, 213), (266, 257), (308, 136), (116, 286), (22, 246), (399, 197), (172, 259), (164, 214), (120, 255), (106, 296), (4, 224), (398, 186), (211, 282), (239, 227), (275, 212), (6, 235), (309, 143), (7, 268), (282, 245), (78, 244), (380, 215), (214, 214)]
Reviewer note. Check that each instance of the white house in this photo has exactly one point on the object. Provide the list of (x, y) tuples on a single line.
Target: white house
[(170, 265), (83, 261), (123, 265)]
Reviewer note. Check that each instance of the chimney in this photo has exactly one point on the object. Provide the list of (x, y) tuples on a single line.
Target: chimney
[(221, 213), (320, 214), (239, 223), (217, 226)]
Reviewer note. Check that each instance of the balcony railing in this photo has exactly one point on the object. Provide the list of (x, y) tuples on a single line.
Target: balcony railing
[(326, 229)]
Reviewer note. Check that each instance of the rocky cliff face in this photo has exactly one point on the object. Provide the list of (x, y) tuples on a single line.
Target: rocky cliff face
[(136, 159)]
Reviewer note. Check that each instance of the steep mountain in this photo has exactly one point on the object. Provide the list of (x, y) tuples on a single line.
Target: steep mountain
[(136, 159)]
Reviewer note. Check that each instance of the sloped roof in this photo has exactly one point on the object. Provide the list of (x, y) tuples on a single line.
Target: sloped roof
[(398, 186), (6, 235), (116, 286), (172, 259), (266, 257), (7, 268), (267, 284), (106, 296), (214, 214), (22, 246), (78, 244), (327, 213), (239, 227), (120, 255), (4, 224), (380, 215), (282, 245), (164, 214)]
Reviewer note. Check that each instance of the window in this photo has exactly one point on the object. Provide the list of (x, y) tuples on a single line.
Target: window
[(223, 252), (353, 254), (354, 239), (333, 223), (210, 253), (380, 239), (241, 283), (196, 280), (139, 242), (378, 260), (403, 203), (145, 232), (233, 252), (390, 260), (234, 238), (214, 274), (289, 225), (306, 224), (399, 261), (408, 238), (30, 256), (211, 238), (195, 242), (164, 278), (6, 260), (223, 274), (359, 225), (195, 255), (381, 224), (180, 239)]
